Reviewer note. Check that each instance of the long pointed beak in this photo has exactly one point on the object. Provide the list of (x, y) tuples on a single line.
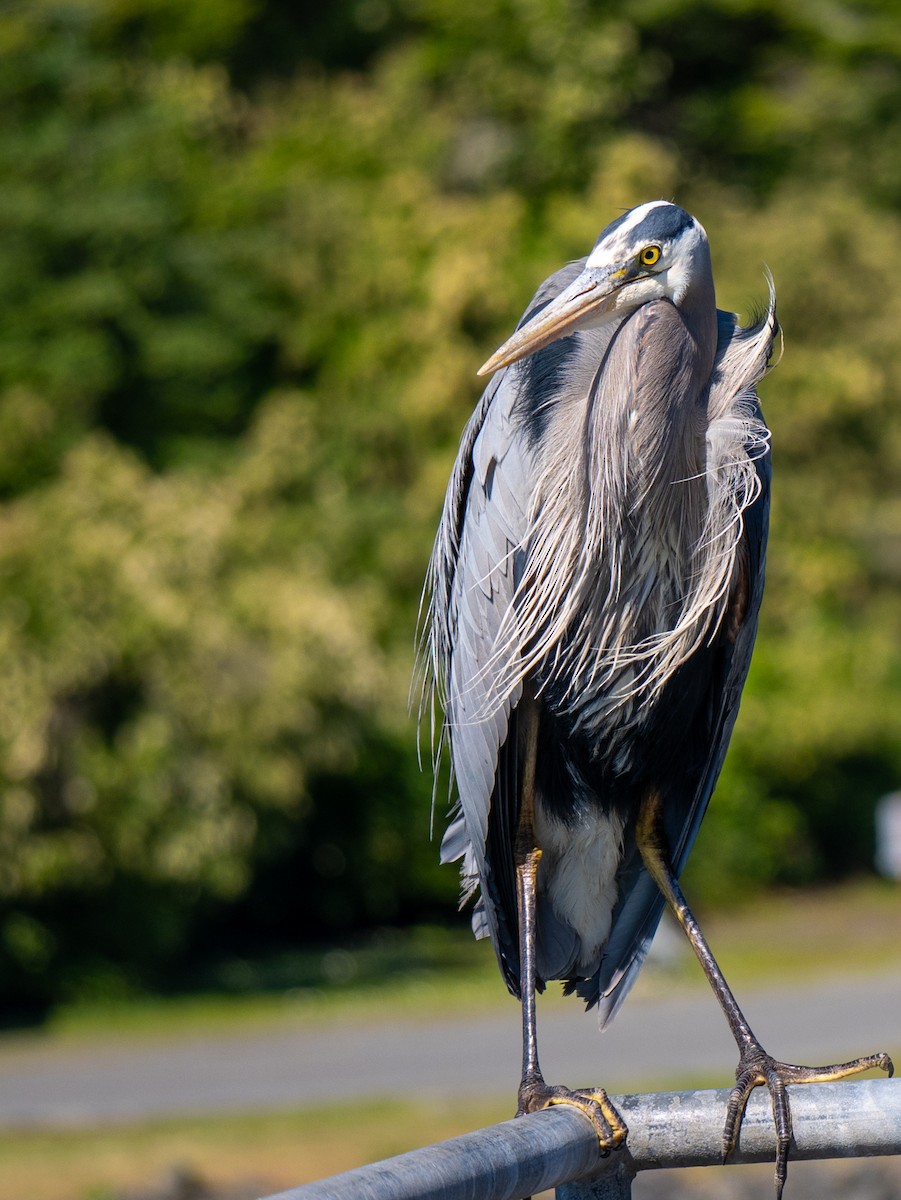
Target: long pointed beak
[(586, 298)]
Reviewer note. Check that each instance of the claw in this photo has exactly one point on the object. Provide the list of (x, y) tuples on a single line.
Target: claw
[(756, 1068), (535, 1094)]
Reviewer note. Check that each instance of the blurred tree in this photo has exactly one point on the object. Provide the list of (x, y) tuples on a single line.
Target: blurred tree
[(136, 270)]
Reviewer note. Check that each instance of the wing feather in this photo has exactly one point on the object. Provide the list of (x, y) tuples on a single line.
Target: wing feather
[(472, 580)]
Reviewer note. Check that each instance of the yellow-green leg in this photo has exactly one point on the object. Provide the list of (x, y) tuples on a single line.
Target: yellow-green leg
[(755, 1066), (534, 1093)]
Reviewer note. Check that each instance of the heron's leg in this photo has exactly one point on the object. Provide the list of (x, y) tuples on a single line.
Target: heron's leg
[(534, 1093), (755, 1066)]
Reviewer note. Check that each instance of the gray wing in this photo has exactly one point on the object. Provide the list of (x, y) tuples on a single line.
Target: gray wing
[(472, 578), (742, 357)]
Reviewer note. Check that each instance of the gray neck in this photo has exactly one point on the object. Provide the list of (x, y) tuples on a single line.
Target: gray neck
[(698, 307)]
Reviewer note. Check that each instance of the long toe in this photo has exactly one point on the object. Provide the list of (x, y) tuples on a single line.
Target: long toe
[(611, 1129), (757, 1068)]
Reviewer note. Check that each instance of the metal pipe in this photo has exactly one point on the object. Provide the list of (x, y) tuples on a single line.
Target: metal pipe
[(667, 1129)]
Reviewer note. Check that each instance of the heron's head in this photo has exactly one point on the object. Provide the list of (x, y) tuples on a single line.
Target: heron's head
[(653, 252)]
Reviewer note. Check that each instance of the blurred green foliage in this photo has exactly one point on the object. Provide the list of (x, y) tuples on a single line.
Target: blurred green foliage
[(251, 254)]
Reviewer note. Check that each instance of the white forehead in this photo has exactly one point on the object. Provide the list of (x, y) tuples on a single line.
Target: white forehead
[(635, 216), (657, 221)]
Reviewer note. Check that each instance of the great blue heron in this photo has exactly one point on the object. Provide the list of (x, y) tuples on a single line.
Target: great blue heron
[(595, 586)]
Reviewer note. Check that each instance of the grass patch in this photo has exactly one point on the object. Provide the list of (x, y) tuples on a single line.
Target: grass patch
[(390, 973), (793, 936), (253, 1153)]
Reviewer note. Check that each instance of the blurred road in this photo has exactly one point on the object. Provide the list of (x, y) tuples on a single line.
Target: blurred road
[(676, 1040)]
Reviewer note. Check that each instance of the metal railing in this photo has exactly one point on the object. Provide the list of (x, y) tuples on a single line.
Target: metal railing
[(557, 1148)]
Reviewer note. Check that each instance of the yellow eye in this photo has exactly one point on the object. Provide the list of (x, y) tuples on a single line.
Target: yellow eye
[(649, 256)]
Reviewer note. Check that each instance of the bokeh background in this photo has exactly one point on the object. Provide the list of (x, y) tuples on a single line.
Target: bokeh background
[(251, 254)]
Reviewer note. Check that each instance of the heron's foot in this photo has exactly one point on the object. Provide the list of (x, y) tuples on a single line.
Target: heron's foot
[(757, 1068), (535, 1094)]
